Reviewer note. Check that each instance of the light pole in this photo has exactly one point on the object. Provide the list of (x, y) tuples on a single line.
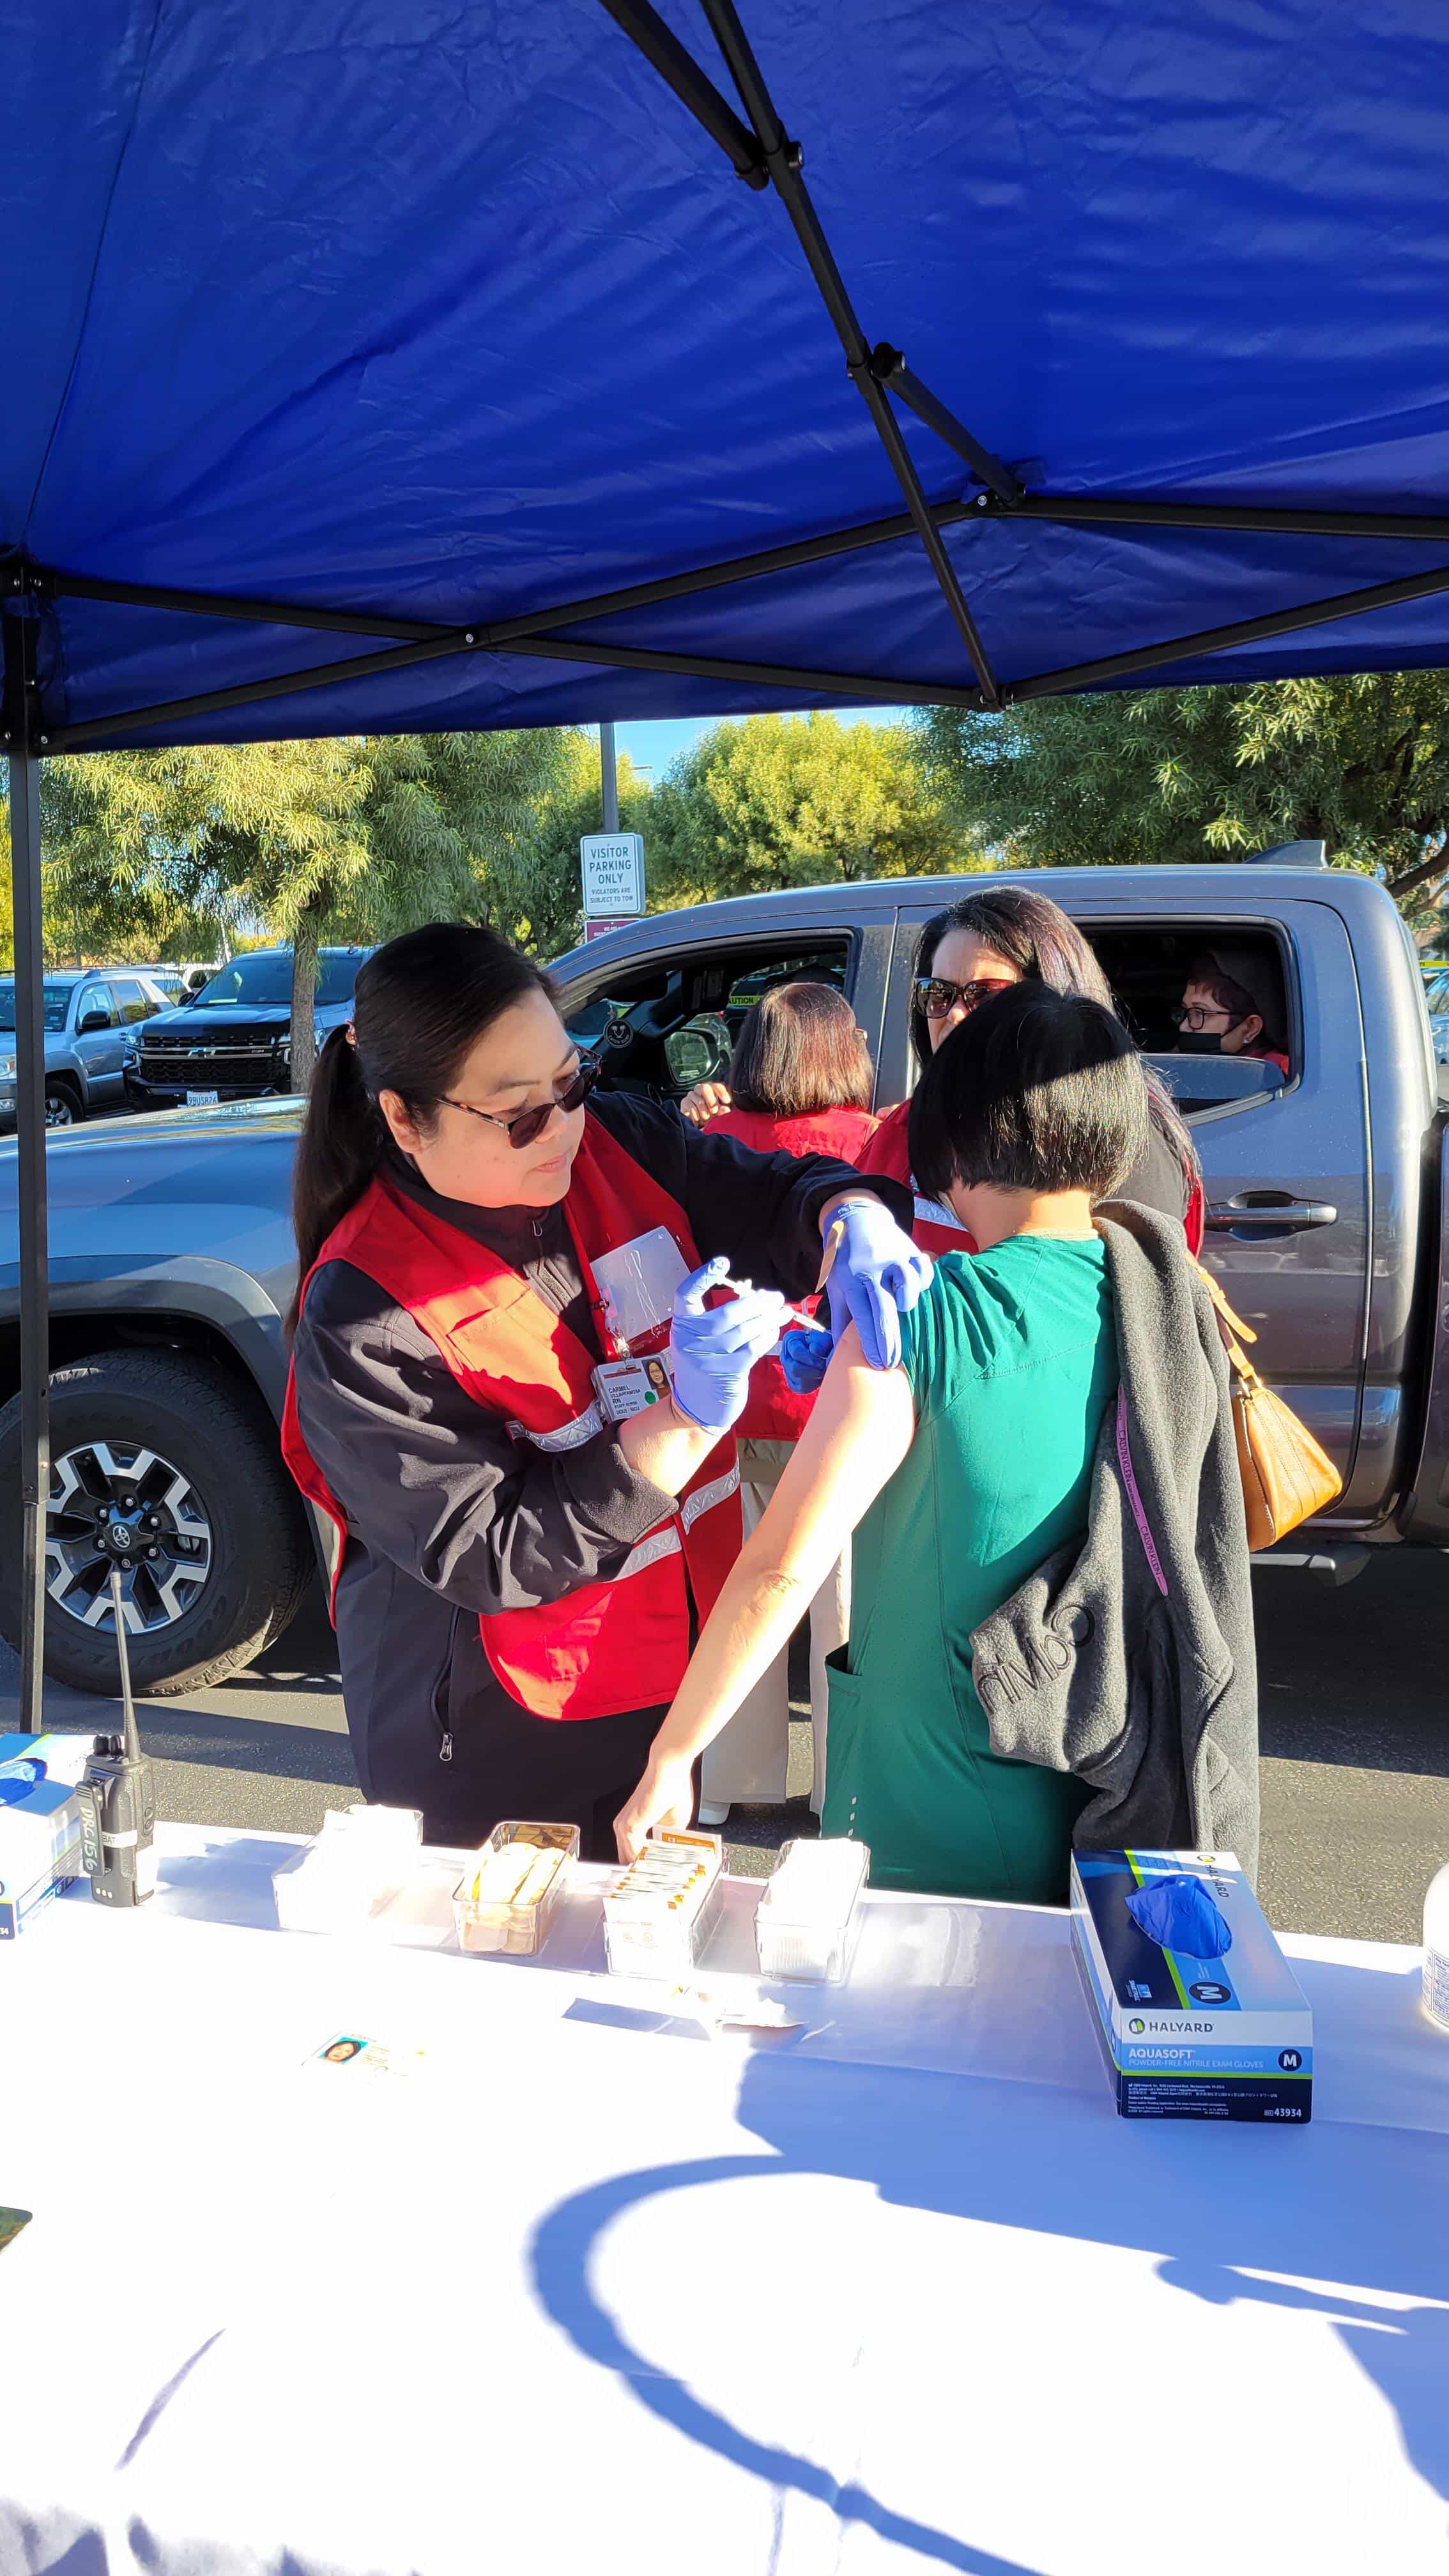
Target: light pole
[(609, 771)]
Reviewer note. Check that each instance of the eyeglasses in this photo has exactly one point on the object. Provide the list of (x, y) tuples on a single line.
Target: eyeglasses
[(1197, 1018), (937, 996), (529, 1123)]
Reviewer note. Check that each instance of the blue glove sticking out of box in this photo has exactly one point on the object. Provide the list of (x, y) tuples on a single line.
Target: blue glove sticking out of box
[(1179, 1914)]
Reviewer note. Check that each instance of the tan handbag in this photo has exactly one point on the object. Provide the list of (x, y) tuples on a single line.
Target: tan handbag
[(1286, 1477)]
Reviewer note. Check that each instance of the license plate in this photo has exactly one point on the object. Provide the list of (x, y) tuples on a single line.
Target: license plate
[(201, 1100)]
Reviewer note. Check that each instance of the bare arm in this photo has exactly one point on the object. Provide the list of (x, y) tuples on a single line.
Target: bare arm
[(664, 1445), (861, 1427)]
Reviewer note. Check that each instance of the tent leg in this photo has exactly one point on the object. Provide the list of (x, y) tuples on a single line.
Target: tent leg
[(21, 721)]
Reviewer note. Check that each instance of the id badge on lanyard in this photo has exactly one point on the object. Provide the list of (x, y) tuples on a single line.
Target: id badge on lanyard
[(635, 1287)]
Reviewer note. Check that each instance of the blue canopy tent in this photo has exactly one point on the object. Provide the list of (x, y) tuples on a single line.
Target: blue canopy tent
[(375, 368)]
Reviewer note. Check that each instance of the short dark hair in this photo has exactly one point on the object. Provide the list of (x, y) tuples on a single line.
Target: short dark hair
[(800, 1050), (1037, 1090)]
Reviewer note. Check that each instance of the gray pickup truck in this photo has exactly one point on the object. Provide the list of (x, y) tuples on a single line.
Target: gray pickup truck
[(171, 1253)]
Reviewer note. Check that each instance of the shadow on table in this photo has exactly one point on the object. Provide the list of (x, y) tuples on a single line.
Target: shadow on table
[(1218, 2204)]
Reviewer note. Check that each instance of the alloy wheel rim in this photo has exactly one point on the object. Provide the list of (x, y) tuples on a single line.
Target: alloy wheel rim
[(123, 1480)]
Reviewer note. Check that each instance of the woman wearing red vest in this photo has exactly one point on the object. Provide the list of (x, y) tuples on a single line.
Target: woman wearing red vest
[(799, 1083), (1010, 935), (490, 1277)]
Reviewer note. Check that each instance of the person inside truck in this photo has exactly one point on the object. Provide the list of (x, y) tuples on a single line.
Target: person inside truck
[(799, 1083), (523, 1549), (999, 936), (1232, 1005), (1007, 935), (970, 1465)]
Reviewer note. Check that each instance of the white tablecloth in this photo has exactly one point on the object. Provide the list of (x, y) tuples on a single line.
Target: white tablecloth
[(590, 2290)]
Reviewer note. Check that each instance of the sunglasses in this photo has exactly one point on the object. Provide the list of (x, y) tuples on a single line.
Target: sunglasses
[(937, 996), (529, 1123)]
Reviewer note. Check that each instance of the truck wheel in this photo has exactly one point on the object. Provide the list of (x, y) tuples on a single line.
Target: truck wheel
[(63, 1103), (223, 1556)]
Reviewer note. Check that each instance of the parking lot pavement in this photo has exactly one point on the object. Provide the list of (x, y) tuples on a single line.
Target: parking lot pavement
[(1355, 1735)]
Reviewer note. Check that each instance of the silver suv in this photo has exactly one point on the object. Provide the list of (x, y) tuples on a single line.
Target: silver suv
[(89, 1016)]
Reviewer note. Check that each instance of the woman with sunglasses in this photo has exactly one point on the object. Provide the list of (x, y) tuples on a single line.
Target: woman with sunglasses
[(1001, 936), (523, 1548)]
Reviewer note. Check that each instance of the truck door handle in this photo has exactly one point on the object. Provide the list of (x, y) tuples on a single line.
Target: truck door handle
[(1268, 1212)]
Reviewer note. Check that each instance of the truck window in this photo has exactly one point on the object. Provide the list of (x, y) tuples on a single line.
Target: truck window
[(627, 1020), (1189, 990), (132, 1000), (96, 997)]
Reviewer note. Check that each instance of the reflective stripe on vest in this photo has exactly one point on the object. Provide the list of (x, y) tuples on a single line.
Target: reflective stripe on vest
[(608, 1646), (705, 1497), (572, 1435), (931, 1212)]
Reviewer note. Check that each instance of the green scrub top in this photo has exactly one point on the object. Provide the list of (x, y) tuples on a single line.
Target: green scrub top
[(1012, 1361)]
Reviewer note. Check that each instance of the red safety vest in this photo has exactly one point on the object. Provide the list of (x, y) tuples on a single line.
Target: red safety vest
[(935, 1229), (774, 1411), (609, 1646)]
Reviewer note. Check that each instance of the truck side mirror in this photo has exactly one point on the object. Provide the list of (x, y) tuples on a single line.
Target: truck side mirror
[(90, 1020)]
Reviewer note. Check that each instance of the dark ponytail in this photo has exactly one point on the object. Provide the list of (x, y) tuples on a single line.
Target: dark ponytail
[(421, 1003)]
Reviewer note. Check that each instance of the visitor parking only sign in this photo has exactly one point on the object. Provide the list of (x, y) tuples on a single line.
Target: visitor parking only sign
[(613, 872)]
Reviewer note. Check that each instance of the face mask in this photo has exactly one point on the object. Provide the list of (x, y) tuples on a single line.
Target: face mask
[(1179, 1914), (1201, 1041)]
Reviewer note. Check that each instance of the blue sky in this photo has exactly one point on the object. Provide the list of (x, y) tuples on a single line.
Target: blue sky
[(654, 745)]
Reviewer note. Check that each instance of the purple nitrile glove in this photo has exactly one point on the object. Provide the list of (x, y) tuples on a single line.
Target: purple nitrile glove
[(714, 1348), (875, 1278)]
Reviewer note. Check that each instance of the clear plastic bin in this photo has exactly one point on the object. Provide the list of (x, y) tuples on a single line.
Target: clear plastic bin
[(660, 1913), (344, 1878), (809, 1915), (514, 1922)]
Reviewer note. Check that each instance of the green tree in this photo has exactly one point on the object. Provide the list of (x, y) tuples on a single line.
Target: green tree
[(550, 896), (355, 838), (7, 924), (1359, 762), (454, 824), (146, 846), (797, 800)]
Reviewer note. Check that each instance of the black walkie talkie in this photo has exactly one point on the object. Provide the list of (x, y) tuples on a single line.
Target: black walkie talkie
[(117, 1797)]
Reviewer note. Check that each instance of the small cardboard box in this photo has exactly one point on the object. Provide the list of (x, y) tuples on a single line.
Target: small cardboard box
[(39, 1851), (1190, 2039)]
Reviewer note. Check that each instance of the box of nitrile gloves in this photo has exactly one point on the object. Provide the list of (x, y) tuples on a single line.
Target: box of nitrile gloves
[(39, 1847), (1198, 2013)]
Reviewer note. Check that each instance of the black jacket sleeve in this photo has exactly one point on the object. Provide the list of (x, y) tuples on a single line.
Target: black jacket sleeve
[(761, 1209), (434, 1482)]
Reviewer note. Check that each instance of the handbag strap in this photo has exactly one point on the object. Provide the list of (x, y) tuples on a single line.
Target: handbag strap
[(1129, 1479), (1229, 1327)]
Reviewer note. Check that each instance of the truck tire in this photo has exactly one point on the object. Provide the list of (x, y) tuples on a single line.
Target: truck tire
[(63, 1103), (169, 1442)]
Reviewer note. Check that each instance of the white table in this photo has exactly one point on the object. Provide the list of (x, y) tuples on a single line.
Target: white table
[(592, 2291)]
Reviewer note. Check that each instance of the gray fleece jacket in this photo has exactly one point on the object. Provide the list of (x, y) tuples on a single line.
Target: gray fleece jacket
[(1131, 1663)]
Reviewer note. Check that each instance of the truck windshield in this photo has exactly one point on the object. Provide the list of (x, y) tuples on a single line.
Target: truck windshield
[(269, 979), (55, 997)]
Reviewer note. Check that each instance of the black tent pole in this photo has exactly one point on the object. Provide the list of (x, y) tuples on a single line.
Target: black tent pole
[(21, 729)]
